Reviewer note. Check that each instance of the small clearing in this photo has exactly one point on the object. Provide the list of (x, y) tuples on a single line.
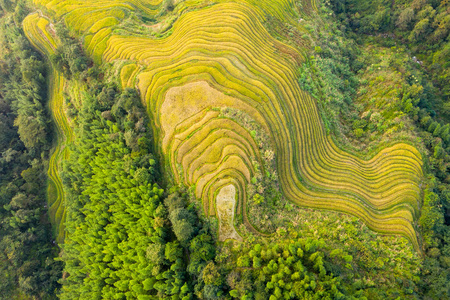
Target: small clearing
[(226, 203)]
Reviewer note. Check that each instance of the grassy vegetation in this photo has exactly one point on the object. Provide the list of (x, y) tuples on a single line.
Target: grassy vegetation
[(38, 32), (226, 203), (227, 47), (126, 75), (349, 250)]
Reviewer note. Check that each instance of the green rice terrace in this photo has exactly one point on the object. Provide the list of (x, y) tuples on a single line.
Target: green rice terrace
[(227, 149)]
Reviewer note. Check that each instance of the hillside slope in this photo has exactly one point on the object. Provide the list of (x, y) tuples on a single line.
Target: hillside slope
[(38, 32), (222, 56)]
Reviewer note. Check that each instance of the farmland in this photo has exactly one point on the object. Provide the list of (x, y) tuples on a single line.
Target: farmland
[(222, 56), (224, 149), (38, 31)]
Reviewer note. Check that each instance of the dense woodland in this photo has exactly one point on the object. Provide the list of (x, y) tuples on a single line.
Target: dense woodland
[(27, 248), (131, 235)]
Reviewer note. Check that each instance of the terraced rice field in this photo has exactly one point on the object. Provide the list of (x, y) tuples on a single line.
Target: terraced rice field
[(38, 32), (95, 19), (222, 56)]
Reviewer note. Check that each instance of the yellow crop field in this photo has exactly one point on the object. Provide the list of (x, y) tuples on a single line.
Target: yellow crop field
[(37, 30), (126, 75), (222, 56)]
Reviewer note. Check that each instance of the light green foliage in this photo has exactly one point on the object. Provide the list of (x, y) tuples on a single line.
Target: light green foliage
[(425, 24), (431, 216), (386, 98), (116, 245), (323, 245), (286, 275)]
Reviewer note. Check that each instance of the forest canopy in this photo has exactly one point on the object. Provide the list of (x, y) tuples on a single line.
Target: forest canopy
[(102, 196)]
